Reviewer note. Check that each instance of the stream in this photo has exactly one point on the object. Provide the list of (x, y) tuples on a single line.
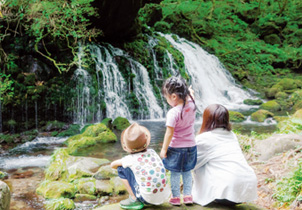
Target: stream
[(25, 163)]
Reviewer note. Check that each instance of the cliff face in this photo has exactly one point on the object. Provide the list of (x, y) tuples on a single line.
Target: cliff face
[(119, 19)]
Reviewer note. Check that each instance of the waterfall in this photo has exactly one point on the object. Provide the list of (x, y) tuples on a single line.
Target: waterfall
[(112, 88), (118, 80), (211, 82)]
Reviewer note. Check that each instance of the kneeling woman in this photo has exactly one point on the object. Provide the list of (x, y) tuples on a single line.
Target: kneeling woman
[(221, 174)]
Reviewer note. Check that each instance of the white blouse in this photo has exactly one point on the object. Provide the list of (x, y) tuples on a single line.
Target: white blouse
[(221, 171)]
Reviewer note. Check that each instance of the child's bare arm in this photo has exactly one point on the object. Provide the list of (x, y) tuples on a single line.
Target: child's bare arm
[(167, 140), (116, 163)]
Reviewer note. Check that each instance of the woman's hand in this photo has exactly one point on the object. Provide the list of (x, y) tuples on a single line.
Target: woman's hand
[(163, 153)]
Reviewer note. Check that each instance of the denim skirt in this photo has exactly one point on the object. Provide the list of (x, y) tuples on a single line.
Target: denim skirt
[(180, 159)]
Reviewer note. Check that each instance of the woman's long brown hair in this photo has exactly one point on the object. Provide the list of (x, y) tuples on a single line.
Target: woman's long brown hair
[(215, 116)]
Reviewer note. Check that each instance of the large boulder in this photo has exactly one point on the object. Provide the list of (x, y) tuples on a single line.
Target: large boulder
[(105, 172), (236, 116), (275, 144), (4, 196), (272, 106), (120, 123), (261, 115), (56, 189)]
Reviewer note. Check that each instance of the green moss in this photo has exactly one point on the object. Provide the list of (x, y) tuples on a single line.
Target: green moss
[(84, 197), (120, 123), (95, 130), (271, 93), (75, 146), (162, 26), (297, 106), (271, 106), (60, 204), (296, 97), (56, 189), (107, 122), (87, 186), (261, 115), (253, 101), (287, 84), (71, 131), (236, 116), (57, 169), (281, 96), (106, 137)]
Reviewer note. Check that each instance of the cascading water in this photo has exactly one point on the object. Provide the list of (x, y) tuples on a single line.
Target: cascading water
[(211, 82)]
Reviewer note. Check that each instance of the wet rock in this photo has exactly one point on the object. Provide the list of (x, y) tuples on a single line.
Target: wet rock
[(105, 172), (118, 185), (84, 166), (253, 101), (4, 196), (84, 197), (120, 123), (261, 115), (103, 187), (61, 203), (236, 116), (276, 144), (271, 106), (87, 186), (56, 189)]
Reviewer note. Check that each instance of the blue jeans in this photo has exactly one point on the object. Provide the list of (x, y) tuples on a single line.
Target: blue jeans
[(175, 183), (126, 173), (180, 159)]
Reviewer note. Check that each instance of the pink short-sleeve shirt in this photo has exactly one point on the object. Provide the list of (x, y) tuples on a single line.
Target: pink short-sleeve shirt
[(184, 134)]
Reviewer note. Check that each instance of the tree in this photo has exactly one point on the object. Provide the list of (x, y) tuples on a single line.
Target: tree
[(6, 90)]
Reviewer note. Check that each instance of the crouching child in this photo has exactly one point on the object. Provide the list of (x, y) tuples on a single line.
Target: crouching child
[(142, 170)]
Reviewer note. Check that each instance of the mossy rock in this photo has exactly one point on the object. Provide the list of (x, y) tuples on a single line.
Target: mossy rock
[(120, 123), (71, 131), (84, 197), (104, 187), (118, 185), (261, 115), (105, 172), (85, 127), (87, 186), (56, 189), (253, 101), (57, 168), (296, 97), (60, 204), (95, 130), (106, 137), (53, 125), (272, 106), (236, 116), (287, 84), (298, 114), (85, 142), (280, 118), (271, 92), (281, 96), (107, 122)]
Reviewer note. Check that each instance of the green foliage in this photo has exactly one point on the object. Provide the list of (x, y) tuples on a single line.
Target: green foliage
[(289, 188), (57, 20), (6, 86), (260, 38)]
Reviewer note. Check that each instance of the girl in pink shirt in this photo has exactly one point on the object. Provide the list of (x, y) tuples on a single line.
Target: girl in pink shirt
[(179, 149)]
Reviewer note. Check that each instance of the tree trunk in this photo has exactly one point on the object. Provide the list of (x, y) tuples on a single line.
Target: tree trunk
[(0, 115), (36, 114)]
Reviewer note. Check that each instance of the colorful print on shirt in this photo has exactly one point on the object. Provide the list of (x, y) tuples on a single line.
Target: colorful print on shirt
[(150, 172)]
